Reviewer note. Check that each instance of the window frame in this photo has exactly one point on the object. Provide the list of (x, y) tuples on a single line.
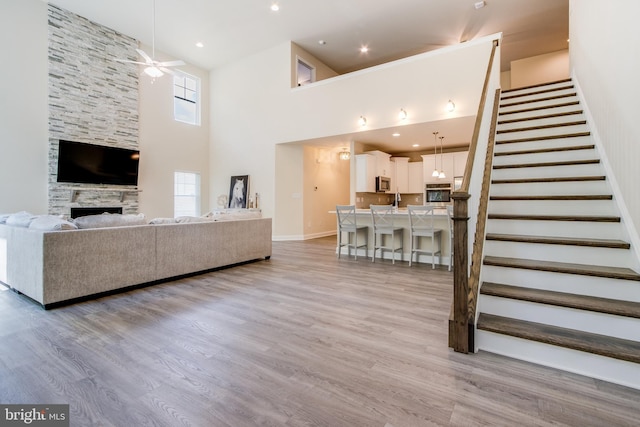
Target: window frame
[(177, 195), (185, 98)]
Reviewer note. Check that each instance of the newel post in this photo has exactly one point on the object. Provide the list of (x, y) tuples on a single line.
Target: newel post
[(460, 329)]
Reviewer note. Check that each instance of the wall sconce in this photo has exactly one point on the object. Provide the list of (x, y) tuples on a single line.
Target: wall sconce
[(451, 106), (362, 121), (344, 154), (435, 173), (403, 114)]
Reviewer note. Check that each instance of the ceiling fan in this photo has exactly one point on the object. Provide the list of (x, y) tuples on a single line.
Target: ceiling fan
[(154, 68)]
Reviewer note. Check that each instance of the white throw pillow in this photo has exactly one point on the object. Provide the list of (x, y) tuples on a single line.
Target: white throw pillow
[(3, 218), (20, 219), (51, 223), (109, 220), (186, 219), (163, 221)]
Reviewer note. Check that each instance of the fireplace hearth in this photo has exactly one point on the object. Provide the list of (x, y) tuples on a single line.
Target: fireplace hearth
[(78, 212)]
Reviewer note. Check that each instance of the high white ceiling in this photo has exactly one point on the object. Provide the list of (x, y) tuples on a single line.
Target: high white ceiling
[(391, 29)]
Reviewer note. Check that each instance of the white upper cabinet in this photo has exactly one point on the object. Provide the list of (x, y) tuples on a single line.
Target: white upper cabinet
[(416, 177), (400, 179), (453, 164), (383, 163), (365, 173)]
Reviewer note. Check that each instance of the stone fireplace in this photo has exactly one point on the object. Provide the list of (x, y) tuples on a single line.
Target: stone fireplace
[(92, 99)]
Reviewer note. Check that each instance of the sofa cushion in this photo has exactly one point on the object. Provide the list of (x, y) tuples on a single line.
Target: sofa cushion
[(20, 219), (163, 221), (187, 219), (109, 220), (51, 223)]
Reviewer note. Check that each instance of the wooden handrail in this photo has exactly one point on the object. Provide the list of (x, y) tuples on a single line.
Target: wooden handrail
[(459, 325)]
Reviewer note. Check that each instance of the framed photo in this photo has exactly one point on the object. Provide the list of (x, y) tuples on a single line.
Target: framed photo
[(238, 192)]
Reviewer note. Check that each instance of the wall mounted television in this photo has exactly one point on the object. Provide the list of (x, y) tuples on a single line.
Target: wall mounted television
[(97, 164)]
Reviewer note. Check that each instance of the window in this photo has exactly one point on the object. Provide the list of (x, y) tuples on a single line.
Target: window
[(306, 73), (186, 194), (186, 98)]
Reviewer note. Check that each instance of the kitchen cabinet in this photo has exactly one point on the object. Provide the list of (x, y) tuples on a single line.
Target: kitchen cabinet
[(365, 173), (459, 162), (416, 178), (400, 177), (383, 163)]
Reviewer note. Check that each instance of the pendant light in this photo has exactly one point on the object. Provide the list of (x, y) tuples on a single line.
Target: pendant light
[(435, 173), (441, 174)]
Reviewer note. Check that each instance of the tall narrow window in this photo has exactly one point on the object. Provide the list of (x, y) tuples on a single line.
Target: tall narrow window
[(306, 73), (186, 194), (186, 98)]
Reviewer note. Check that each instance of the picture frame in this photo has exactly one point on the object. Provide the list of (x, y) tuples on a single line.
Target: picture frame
[(238, 190)]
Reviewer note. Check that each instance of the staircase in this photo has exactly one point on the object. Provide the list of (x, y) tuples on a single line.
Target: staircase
[(557, 284)]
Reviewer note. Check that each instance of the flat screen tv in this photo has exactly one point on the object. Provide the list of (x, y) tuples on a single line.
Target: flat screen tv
[(97, 164)]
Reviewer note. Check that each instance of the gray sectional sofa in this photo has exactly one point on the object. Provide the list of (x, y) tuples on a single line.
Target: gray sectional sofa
[(59, 267)]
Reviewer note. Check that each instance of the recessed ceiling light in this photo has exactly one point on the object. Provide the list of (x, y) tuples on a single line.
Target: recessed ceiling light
[(364, 49), (275, 7), (322, 42), (395, 134), (479, 4), (200, 44), (416, 145)]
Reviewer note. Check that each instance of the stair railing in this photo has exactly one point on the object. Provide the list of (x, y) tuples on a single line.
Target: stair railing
[(470, 201)]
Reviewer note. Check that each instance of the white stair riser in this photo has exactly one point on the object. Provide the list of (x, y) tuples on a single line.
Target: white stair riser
[(541, 122), (524, 91), (547, 188), (588, 230), (534, 133), (507, 106), (627, 290), (591, 365), (538, 112), (548, 143), (553, 207), (560, 253), (582, 320), (555, 156), (530, 96)]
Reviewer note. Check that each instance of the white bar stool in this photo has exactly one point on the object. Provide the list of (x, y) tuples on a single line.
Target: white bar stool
[(347, 223), (421, 224), (382, 219)]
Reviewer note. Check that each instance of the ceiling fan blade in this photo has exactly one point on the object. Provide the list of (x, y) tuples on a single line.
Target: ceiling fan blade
[(171, 63), (167, 70), (145, 56)]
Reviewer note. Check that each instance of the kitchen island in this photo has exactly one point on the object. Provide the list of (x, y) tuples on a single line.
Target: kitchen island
[(401, 219)]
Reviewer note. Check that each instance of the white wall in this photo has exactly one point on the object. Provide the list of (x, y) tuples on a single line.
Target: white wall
[(23, 106), (540, 69), (166, 145), (605, 60), (253, 107), (326, 184)]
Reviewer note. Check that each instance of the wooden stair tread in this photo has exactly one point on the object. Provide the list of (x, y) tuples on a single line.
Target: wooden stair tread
[(562, 299), (602, 345), (541, 127), (556, 197), (548, 164), (537, 85), (578, 218), (548, 180), (544, 99), (562, 267), (539, 108), (542, 117), (546, 150), (537, 92), (569, 241), (543, 138)]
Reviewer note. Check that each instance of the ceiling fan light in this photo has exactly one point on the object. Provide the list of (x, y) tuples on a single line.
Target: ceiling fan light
[(153, 72)]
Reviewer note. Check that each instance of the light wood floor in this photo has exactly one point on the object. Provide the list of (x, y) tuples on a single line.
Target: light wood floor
[(303, 339)]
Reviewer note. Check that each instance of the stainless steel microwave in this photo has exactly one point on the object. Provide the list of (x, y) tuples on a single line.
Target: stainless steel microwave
[(383, 184)]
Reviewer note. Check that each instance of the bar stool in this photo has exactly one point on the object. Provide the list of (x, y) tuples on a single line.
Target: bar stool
[(347, 223), (382, 219), (421, 225), (450, 218)]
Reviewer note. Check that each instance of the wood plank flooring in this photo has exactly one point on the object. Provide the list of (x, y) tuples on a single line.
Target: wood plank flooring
[(303, 339)]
